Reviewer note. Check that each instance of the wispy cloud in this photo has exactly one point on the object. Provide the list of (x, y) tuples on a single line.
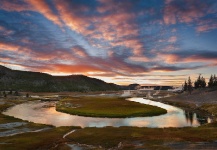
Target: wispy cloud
[(109, 38)]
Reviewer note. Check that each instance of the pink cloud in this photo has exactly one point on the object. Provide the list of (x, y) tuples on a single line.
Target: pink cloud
[(79, 52), (14, 6), (139, 59), (193, 10), (206, 25), (112, 27), (31, 5), (12, 47), (172, 39), (43, 8)]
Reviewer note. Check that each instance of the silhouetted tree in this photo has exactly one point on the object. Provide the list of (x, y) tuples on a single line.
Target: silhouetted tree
[(190, 88), (203, 82), (211, 82), (214, 81), (200, 82), (196, 85), (185, 88), (27, 95)]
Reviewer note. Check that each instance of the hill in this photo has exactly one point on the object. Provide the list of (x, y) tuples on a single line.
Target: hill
[(41, 82)]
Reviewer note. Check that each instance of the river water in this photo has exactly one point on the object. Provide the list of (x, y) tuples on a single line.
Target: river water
[(38, 112)]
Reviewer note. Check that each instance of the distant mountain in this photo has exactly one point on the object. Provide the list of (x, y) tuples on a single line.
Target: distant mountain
[(41, 82)]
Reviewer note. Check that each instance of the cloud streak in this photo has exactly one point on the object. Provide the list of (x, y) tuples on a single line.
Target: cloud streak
[(110, 39)]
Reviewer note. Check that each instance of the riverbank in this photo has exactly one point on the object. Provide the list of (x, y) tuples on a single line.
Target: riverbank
[(111, 107), (201, 99)]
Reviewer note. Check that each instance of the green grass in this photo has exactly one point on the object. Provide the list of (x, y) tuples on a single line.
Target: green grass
[(106, 107)]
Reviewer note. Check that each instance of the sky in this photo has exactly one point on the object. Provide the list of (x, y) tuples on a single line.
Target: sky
[(159, 42)]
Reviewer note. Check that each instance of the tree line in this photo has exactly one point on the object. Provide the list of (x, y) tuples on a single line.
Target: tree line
[(15, 93), (200, 83)]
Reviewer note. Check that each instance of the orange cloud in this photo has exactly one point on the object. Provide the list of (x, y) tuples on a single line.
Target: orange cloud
[(43, 8), (70, 19), (73, 68), (79, 52), (13, 48), (169, 58), (7, 47)]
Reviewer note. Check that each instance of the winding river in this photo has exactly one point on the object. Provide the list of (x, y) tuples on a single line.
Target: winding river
[(38, 112)]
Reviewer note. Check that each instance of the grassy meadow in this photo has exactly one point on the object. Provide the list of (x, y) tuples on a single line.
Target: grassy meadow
[(113, 107)]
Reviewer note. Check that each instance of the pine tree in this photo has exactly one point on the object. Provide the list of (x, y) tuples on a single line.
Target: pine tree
[(185, 88), (214, 81), (190, 88), (196, 85), (211, 82), (203, 82), (200, 82)]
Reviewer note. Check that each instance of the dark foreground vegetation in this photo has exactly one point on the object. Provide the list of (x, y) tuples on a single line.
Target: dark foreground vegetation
[(200, 83), (143, 138)]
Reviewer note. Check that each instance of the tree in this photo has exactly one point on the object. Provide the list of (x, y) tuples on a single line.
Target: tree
[(203, 82), (200, 82), (196, 85), (211, 82), (185, 88), (190, 88), (214, 81)]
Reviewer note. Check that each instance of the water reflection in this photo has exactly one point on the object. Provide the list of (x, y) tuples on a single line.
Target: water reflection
[(203, 119), (38, 112), (189, 117)]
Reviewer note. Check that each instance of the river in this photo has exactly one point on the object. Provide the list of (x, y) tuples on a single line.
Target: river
[(39, 112)]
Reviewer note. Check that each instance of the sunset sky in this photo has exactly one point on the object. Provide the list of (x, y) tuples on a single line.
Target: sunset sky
[(120, 41)]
